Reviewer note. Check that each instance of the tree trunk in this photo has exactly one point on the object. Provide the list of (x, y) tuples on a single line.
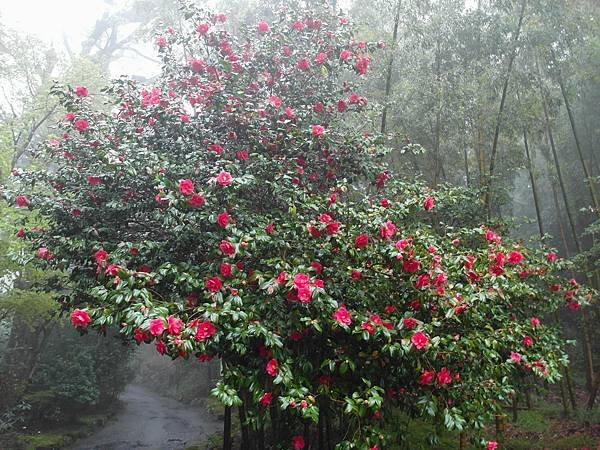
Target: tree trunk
[(388, 78), (588, 177), (534, 190), (493, 154), (227, 445)]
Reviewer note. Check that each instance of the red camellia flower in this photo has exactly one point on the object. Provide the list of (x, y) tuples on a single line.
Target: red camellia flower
[(227, 248), (411, 265), (21, 201), (81, 125), (317, 130), (157, 326), (527, 341), (275, 101), (205, 330), (80, 318), (94, 180), (203, 28), (387, 230), (342, 316), (226, 270), (356, 274), (361, 241), (270, 228), (368, 327), (409, 323), (419, 340), (81, 91), (345, 55), (515, 257), (20, 233), (429, 203), (175, 325), (186, 187), (491, 445), (213, 284), (196, 200), (303, 64), (224, 178), (101, 256), (223, 220), (551, 256), (516, 357), (426, 377), (266, 399), (444, 377), (273, 367), (535, 322), (298, 442), (262, 27), (161, 347)]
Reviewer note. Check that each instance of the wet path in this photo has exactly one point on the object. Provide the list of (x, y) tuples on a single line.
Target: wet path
[(151, 421)]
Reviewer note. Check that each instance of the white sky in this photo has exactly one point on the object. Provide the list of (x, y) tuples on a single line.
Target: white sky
[(54, 20)]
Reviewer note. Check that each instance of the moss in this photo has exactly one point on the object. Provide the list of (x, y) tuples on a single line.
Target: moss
[(43, 441)]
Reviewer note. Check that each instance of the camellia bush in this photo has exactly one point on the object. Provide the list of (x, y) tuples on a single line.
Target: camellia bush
[(240, 209)]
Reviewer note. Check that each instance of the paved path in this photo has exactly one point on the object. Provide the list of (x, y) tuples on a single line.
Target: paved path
[(151, 421)]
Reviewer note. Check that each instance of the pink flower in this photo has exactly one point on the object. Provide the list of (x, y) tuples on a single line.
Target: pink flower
[(175, 325), (224, 178), (275, 101), (227, 248), (262, 27), (298, 442), (289, 112), (426, 377), (226, 270), (345, 55), (213, 284), (411, 265), (298, 25), (266, 399), (444, 376), (197, 65), (320, 59), (186, 187), (409, 323), (491, 445), (80, 318), (527, 341), (196, 200), (342, 316), (81, 91), (551, 256), (317, 130), (273, 367), (516, 357), (515, 257), (387, 230), (161, 347), (21, 201), (303, 64), (223, 219), (429, 203), (203, 28), (205, 330), (361, 241), (81, 125), (101, 256), (419, 340), (157, 326), (270, 228), (535, 322)]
